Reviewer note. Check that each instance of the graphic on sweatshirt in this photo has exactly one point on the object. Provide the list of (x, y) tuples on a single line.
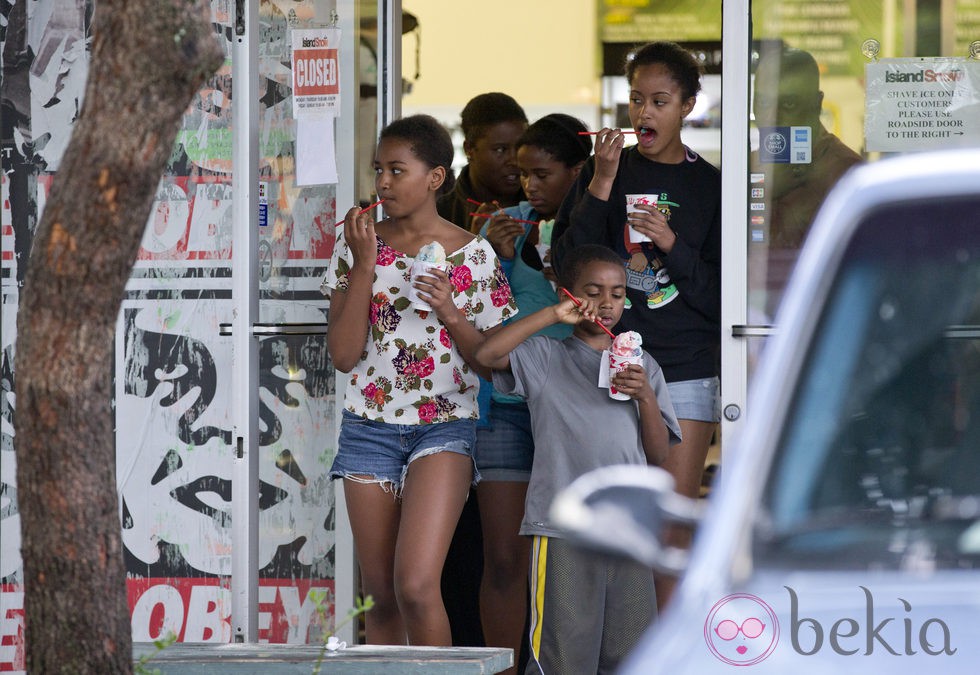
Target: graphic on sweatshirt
[(646, 270)]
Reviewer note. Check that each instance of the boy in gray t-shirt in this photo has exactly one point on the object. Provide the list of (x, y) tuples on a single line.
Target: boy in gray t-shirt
[(578, 427)]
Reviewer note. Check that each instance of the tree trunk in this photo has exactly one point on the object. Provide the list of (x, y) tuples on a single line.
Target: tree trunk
[(149, 57)]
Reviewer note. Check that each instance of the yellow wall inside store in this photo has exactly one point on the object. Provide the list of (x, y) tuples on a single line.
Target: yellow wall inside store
[(541, 52)]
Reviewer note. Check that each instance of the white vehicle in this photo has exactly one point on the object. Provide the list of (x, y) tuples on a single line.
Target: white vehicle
[(843, 535)]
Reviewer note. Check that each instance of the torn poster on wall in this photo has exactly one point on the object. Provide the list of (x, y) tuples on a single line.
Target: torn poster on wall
[(173, 369)]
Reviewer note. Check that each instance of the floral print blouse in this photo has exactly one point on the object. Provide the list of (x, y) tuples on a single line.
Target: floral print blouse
[(410, 371)]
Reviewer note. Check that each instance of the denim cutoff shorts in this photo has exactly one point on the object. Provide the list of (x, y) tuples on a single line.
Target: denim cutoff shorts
[(384, 451), (698, 400), (505, 446)]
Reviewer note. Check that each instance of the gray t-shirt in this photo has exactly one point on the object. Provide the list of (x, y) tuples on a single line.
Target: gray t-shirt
[(577, 427)]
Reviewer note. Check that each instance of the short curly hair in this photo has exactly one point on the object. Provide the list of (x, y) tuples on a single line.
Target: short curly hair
[(429, 140), (485, 110), (580, 256), (560, 136), (430, 143), (684, 68)]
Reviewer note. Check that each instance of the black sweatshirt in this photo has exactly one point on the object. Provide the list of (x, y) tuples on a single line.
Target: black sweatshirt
[(676, 298)]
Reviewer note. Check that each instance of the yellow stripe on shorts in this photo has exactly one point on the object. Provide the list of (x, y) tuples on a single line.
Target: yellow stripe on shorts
[(539, 561)]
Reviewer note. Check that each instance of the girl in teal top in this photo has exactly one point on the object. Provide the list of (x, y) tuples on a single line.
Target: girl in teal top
[(550, 154)]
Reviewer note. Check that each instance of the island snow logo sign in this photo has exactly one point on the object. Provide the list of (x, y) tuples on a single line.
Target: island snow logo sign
[(921, 104), (741, 630)]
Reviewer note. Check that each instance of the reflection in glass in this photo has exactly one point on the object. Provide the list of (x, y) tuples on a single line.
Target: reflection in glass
[(795, 165)]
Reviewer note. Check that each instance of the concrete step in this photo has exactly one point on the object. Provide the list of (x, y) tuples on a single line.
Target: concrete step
[(276, 659)]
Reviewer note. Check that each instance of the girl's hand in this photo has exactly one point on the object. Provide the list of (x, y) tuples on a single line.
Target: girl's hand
[(648, 220), (486, 208), (361, 238), (502, 232), (436, 288), (608, 148), (568, 312), (633, 382)]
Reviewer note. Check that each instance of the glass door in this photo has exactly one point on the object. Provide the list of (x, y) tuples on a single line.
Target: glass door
[(813, 89), (299, 147), (290, 62), (304, 150)]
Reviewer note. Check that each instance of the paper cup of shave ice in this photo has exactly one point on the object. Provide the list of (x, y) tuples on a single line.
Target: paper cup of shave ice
[(421, 268), (543, 252), (631, 202), (626, 348), (619, 363)]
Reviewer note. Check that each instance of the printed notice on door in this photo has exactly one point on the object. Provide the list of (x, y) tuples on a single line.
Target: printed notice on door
[(316, 72), (922, 104)]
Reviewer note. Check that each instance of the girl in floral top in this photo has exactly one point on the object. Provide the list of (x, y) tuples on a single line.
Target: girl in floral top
[(408, 427)]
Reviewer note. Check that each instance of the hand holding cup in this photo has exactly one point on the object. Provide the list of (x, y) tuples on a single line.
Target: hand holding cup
[(625, 356)]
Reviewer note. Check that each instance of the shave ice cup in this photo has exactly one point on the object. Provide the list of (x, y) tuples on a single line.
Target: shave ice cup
[(631, 203), (626, 349), (431, 256), (544, 243)]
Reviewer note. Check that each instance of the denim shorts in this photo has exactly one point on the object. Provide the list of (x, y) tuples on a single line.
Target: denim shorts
[(698, 400), (505, 447), (384, 451)]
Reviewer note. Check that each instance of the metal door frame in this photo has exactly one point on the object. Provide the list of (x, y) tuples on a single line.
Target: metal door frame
[(736, 47)]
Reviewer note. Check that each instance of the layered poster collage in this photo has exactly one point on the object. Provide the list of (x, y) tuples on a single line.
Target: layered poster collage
[(173, 382)]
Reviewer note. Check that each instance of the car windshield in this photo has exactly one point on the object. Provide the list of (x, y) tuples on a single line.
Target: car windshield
[(878, 464)]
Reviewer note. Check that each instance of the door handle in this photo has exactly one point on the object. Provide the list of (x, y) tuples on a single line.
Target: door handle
[(279, 329), (742, 330)]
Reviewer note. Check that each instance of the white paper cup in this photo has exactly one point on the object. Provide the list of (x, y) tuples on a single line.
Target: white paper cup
[(421, 268), (631, 202), (617, 364), (542, 252)]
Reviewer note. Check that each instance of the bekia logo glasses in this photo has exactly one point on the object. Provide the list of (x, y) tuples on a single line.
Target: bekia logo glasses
[(741, 630), (750, 628)]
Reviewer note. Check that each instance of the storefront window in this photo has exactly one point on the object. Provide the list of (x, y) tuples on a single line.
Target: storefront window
[(834, 85)]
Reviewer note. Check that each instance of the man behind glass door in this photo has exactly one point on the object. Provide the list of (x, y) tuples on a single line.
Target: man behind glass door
[(787, 94)]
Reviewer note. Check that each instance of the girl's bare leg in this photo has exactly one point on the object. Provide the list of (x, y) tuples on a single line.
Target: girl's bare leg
[(506, 557), (685, 462), (432, 499), (374, 513)]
